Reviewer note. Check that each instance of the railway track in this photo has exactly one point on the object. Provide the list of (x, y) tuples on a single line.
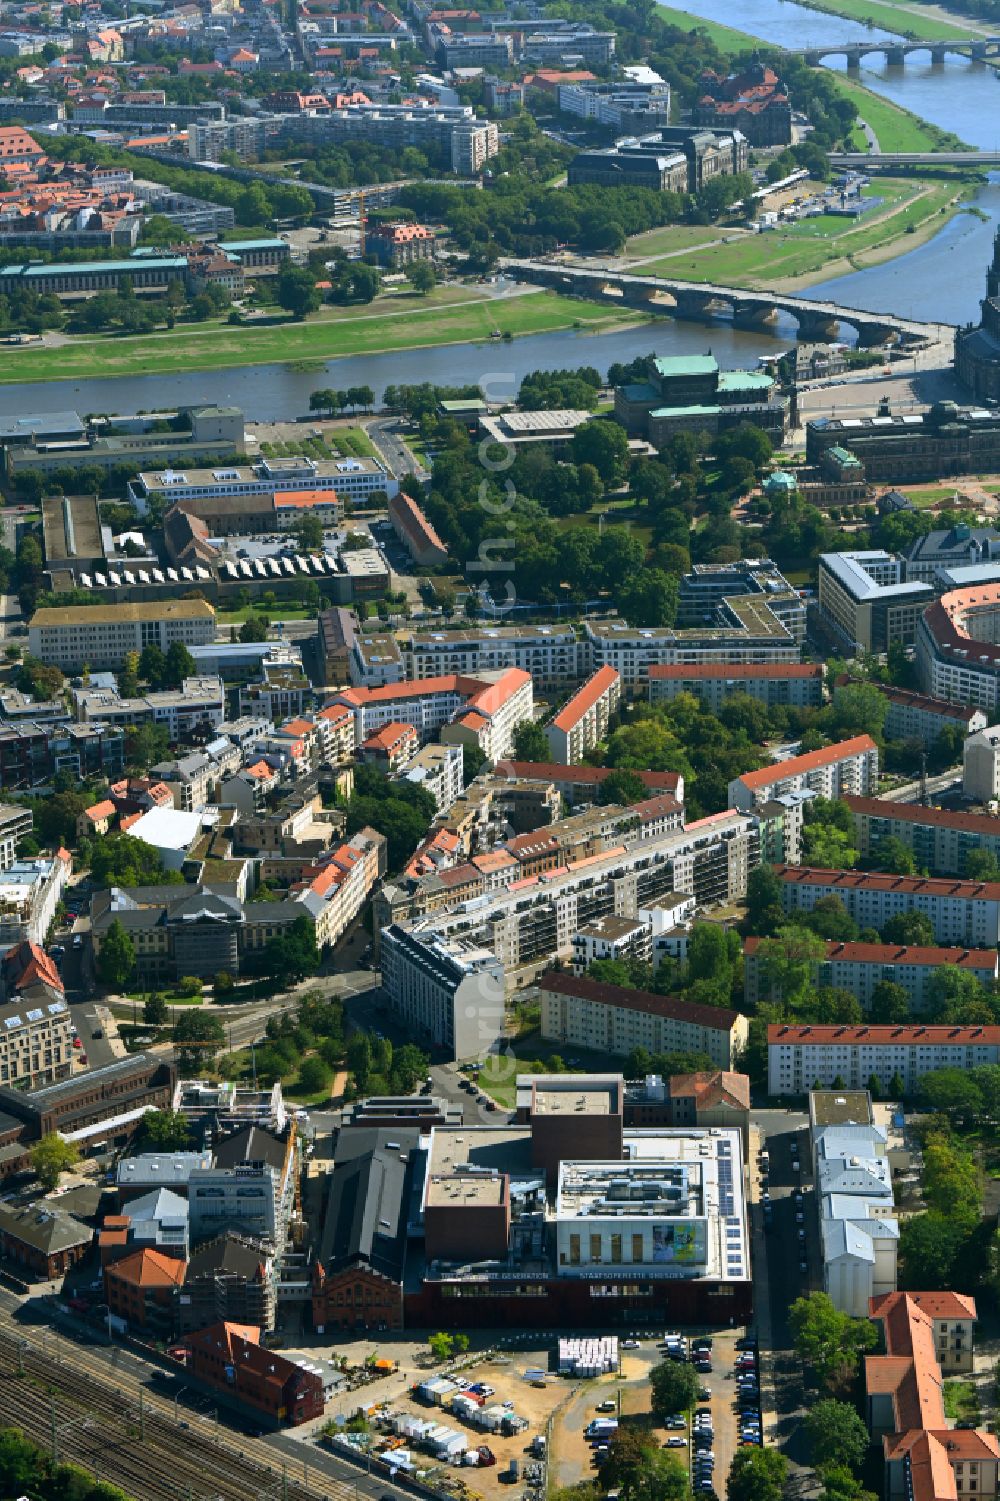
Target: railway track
[(131, 1440)]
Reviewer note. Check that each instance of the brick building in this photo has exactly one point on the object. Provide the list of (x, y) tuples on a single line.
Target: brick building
[(42, 1240), (230, 1358)]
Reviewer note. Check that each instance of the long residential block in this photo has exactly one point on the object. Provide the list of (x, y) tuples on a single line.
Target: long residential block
[(798, 685), (960, 912), (958, 646), (611, 1018), (582, 723), (101, 636), (941, 840), (859, 967), (917, 716), (800, 1056), (851, 766)]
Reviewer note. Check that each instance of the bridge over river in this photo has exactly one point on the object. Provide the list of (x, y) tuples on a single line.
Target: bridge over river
[(884, 161), (702, 300), (896, 50)]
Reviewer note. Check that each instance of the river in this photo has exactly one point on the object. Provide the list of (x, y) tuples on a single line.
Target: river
[(940, 280)]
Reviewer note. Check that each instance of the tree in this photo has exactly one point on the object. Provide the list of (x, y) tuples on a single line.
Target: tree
[(292, 954), (827, 1340), (673, 1388), (649, 598), (929, 1251), (441, 1346), (788, 962), (830, 919), (637, 1467), (51, 1157), (857, 709), (165, 1131), (254, 628), (203, 1035), (297, 291), (982, 865), (314, 1075), (764, 900), (116, 959), (356, 282), (951, 1092), (836, 1435), (757, 1475), (909, 928), (153, 666), (897, 1086), (179, 664), (530, 742), (622, 787), (308, 532), (889, 1005), (604, 444), (892, 855), (154, 1012), (359, 1059), (422, 276)]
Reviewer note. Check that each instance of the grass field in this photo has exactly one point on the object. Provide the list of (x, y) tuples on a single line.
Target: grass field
[(725, 37), (279, 611), (893, 17), (672, 237), (378, 328), (896, 128), (801, 250)]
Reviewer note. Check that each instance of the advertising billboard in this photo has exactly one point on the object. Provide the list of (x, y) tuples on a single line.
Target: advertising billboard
[(681, 1242)]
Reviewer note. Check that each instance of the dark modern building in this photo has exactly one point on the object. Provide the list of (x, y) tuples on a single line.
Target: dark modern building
[(676, 158), (977, 346)]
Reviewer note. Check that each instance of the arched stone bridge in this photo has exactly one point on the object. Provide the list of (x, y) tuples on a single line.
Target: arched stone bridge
[(701, 300), (897, 50)]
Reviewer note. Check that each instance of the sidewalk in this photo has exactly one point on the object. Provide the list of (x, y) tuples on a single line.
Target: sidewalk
[(761, 1297)]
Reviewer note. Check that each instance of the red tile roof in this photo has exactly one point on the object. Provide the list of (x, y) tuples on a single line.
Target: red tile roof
[(893, 953), (937, 1305), (149, 1268), (938, 818), (714, 1018), (795, 766), (911, 1035), (876, 880), (552, 771), (602, 682)]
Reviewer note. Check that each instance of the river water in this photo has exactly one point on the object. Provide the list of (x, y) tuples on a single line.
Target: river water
[(940, 280)]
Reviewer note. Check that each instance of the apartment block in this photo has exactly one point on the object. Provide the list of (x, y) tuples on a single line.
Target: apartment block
[(198, 706), (860, 967), (960, 912), (583, 723), (446, 989), (851, 766), (15, 824), (101, 636), (550, 653), (581, 1012), (36, 1037), (941, 840), (797, 685), (800, 1057), (953, 1316), (749, 632), (249, 1188), (438, 769)]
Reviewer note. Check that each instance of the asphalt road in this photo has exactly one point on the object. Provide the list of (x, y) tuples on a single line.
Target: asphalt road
[(387, 440)]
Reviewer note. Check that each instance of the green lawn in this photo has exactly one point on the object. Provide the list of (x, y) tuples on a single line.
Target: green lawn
[(961, 1402), (725, 37), (530, 1055), (672, 237), (802, 250), (897, 129), (279, 611), (376, 329), (892, 17), (172, 997)]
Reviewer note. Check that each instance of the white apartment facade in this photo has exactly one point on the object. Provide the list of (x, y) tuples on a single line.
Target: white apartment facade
[(550, 653), (456, 708), (941, 840), (981, 765), (798, 685), (446, 990), (849, 767), (960, 912), (799, 1057), (583, 723), (633, 650), (439, 770), (581, 1012)]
